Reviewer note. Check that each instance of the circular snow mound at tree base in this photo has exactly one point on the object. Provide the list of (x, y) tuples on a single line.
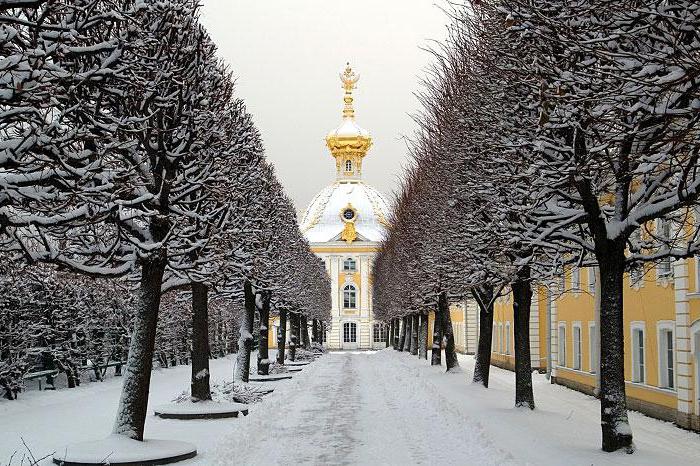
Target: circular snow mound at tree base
[(118, 450), (200, 410), (269, 378)]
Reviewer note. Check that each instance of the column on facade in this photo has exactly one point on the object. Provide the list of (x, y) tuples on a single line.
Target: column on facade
[(535, 330), (335, 334), (683, 356), (365, 324)]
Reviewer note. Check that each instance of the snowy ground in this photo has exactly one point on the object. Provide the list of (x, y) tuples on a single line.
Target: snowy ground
[(356, 408)]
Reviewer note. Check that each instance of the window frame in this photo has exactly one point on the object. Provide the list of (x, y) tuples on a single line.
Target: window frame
[(349, 265), (349, 296), (348, 166), (664, 267), (592, 348), (507, 335), (561, 344), (639, 371), (378, 333), (592, 279), (576, 353), (500, 338), (575, 278), (664, 328), (349, 332)]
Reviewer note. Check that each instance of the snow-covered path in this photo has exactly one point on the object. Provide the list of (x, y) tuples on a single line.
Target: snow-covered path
[(354, 408)]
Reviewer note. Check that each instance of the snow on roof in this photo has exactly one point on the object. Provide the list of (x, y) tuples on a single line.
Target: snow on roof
[(348, 128), (322, 221)]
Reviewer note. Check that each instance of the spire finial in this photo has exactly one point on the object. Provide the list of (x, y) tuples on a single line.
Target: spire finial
[(349, 79)]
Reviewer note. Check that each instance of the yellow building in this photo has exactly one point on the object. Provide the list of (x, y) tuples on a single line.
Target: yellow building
[(662, 337), (344, 224)]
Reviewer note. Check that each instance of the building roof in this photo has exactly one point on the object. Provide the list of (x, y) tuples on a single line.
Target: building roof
[(322, 221)]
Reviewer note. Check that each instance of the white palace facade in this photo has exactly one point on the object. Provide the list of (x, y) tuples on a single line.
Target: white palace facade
[(344, 224)]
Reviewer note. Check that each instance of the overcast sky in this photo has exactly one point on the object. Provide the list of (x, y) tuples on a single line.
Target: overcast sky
[(287, 56)]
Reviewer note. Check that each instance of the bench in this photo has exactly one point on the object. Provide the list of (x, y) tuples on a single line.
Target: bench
[(49, 374)]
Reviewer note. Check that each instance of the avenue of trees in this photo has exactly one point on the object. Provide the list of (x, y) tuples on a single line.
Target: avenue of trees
[(134, 188), (552, 133)]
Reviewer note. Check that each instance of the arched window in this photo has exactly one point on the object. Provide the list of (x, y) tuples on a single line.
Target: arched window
[(349, 297), (348, 165), (349, 265)]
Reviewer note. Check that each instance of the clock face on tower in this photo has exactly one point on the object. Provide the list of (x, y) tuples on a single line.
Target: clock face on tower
[(348, 214)]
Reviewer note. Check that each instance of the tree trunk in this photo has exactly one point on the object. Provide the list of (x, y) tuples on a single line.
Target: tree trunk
[(402, 337), (436, 350), (414, 334), (616, 430), (392, 334), (423, 337), (304, 328), (386, 329), (409, 335), (314, 330), (245, 341), (133, 405), (294, 340), (200, 388), (282, 337), (484, 298), (446, 320), (522, 300), (264, 313)]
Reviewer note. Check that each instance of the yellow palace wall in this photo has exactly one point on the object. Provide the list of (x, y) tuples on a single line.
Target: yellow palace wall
[(653, 304)]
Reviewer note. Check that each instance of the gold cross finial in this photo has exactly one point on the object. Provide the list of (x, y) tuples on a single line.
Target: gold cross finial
[(349, 79)]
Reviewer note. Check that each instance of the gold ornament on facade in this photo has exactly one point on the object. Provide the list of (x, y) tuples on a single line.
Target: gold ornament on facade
[(348, 215)]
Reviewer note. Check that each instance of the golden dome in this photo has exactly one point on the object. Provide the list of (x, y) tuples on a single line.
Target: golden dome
[(349, 142)]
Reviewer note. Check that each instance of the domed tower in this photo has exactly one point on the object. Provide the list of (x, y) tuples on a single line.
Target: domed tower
[(344, 224)]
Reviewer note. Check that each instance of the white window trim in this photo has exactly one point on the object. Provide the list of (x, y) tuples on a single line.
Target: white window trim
[(500, 338), (352, 289), (592, 279), (638, 325), (661, 326), (561, 344), (507, 335), (574, 326), (592, 348), (661, 275), (575, 278)]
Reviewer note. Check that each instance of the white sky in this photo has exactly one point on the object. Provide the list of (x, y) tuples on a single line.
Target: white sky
[(287, 55)]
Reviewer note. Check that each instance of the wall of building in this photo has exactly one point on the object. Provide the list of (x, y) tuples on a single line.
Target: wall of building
[(654, 303)]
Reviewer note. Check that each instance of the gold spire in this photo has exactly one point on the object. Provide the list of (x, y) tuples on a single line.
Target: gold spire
[(348, 143), (349, 79)]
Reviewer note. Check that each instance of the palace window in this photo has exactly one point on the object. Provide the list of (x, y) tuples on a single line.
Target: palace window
[(500, 338), (575, 278), (350, 332), (577, 345), (636, 274), (378, 333), (348, 165), (349, 265), (561, 344), (663, 269), (592, 348), (563, 279), (638, 353), (493, 339), (507, 338), (349, 297), (591, 280), (666, 356)]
